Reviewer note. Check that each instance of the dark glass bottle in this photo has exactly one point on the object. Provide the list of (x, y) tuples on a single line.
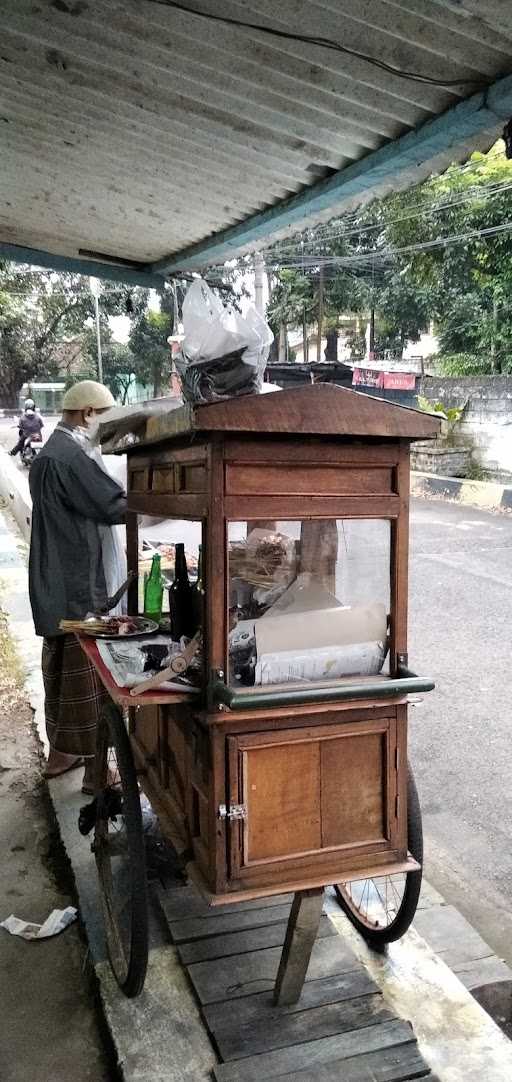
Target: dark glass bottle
[(198, 593), (181, 601)]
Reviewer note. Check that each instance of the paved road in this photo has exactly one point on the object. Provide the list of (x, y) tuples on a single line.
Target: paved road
[(460, 736)]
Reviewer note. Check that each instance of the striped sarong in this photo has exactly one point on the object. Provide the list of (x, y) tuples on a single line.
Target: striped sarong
[(74, 696)]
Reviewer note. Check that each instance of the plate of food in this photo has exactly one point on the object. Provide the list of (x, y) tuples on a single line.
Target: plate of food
[(110, 627)]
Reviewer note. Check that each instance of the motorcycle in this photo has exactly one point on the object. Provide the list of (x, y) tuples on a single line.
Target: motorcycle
[(30, 450)]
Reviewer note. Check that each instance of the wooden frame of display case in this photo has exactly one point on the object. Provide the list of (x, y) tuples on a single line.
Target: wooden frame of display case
[(324, 453), (281, 788)]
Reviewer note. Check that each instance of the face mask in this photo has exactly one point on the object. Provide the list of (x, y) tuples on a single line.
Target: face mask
[(92, 424)]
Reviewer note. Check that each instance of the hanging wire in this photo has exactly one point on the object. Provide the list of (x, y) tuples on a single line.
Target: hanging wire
[(417, 211), (325, 43)]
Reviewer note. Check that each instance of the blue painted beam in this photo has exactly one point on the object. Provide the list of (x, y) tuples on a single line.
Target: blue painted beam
[(402, 161), (131, 276)]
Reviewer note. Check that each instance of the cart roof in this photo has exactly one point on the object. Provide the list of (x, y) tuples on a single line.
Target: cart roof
[(322, 409)]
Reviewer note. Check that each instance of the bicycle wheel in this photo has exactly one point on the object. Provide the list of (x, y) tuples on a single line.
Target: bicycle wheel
[(382, 908), (118, 848)]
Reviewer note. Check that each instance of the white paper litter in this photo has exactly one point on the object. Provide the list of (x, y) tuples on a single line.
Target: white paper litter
[(125, 661), (58, 920), (320, 663)]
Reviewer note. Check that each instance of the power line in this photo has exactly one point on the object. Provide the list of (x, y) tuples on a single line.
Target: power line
[(478, 191), (388, 254), (325, 43)]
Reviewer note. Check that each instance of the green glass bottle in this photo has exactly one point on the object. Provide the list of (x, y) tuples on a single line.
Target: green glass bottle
[(154, 591)]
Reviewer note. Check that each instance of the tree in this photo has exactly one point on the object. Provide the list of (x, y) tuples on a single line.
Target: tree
[(148, 344), (119, 364), (387, 258), (41, 310), (404, 310), (38, 311), (120, 370), (469, 281), (292, 302)]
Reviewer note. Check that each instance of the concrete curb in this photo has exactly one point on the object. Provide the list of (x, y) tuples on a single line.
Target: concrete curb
[(486, 494)]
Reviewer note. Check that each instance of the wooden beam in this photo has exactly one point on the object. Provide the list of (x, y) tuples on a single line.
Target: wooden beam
[(138, 275), (300, 939)]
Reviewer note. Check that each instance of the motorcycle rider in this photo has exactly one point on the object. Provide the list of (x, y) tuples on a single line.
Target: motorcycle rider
[(29, 426)]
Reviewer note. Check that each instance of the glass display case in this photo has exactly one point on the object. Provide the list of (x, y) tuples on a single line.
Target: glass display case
[(309, 600), (285, 767)]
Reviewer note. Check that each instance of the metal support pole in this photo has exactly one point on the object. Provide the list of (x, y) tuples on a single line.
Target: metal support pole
[(320, 314), (98, 338), (259, 267)]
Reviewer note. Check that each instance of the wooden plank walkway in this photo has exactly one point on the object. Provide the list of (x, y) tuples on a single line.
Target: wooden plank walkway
[(341, 1027)]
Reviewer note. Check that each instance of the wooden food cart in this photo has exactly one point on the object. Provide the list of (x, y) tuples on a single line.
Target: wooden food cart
[(287, 770)]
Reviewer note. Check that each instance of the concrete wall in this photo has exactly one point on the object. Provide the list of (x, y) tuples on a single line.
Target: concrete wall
[(488, 416), (428, 457), (15, 492)]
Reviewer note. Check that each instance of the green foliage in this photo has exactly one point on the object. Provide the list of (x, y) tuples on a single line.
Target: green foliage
[(42, 311), (465, 287), (148, 344), (469, 282), (452, 414), (429, 407), (292, 299), (462, 364), (37, 310), (404, 308)]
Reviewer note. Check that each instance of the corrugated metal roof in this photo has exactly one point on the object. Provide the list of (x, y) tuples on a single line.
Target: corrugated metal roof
[(136, 130)]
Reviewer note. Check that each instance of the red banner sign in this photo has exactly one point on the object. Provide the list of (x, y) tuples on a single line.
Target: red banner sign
[(399, 381), (367, 377)]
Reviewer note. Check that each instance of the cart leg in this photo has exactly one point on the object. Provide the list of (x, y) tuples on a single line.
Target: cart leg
[(299, 941)]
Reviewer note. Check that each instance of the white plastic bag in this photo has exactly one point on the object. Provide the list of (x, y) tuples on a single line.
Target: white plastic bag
[(262, 337), (210, 329), (223, 353)]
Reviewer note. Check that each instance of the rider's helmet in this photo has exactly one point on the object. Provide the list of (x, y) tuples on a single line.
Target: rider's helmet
[(29, 404)]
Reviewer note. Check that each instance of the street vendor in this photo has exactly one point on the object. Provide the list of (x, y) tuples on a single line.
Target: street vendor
[(76, 563)]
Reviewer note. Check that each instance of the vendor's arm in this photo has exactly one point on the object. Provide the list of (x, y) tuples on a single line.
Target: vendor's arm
[(93, 493)]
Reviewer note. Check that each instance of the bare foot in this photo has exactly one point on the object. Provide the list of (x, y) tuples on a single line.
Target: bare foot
[(89, 780)]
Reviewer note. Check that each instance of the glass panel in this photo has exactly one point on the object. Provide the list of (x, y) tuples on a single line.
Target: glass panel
[(309, 601), (160, 536)]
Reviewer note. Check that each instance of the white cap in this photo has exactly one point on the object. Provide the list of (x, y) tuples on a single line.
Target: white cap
[(88, 395)]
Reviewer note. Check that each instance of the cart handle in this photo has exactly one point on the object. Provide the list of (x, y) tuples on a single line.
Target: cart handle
[(404, 684)]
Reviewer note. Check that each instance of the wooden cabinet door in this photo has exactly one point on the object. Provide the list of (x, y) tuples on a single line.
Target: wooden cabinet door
[(313, 797)]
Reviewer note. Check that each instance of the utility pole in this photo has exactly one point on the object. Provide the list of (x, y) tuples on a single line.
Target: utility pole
[(495, 306), (320, 314), (371, 338), (305, 343), (259, 268), (95, 290)]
